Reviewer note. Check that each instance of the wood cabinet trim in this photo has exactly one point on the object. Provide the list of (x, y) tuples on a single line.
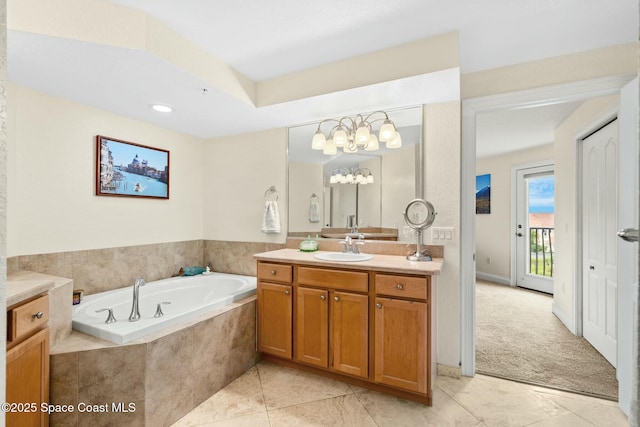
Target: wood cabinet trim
[(345, 280), (24, 319)]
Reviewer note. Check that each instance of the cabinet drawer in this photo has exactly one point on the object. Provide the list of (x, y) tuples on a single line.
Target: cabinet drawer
[(334, 279), (402, 286), (26, 318), (275, 272)]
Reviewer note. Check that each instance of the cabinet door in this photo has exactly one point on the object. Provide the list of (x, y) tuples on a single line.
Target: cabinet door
[(401, 356), (312, 326), (350, 333), (28, 380), (274, 319)]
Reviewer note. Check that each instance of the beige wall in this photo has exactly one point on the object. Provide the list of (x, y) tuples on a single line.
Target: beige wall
[(238, 171), (309, 179), (493, 231), (398, 186), (565, 153), (52, 206)]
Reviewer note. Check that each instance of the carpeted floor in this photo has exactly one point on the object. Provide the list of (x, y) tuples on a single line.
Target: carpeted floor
[(519, 338)]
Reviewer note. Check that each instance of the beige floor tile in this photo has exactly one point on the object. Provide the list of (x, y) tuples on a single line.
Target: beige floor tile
[(391, 411), (565, 420), (240, 398), (500, 403), (334, 412), (254, 420), (284, 387)]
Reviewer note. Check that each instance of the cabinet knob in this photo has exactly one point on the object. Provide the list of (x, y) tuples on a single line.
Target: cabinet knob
[(378, 305), (37, 315), (399, 286), (336, 298), (273, 272), (286, 292), (322, 297)]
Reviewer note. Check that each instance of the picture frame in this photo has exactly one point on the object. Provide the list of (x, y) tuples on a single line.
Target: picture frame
[(483, 194), (128, 169)]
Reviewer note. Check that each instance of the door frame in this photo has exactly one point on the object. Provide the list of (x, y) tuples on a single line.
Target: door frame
[(470, 109), (594, 125), (549, 163)]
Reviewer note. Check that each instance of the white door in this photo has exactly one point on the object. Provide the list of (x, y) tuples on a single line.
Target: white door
[(599, 241), (535, 228), (627, 251)]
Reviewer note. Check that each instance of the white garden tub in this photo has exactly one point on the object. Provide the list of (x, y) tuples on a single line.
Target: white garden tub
[(188, 297)]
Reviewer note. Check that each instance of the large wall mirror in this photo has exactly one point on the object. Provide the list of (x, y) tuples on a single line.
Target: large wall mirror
[(322, 203)]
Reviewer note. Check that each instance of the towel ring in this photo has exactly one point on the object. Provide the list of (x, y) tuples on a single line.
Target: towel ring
[(313, 196), (270, 192)]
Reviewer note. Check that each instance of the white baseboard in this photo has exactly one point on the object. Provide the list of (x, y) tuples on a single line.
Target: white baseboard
[(493, 278), (566, 320)]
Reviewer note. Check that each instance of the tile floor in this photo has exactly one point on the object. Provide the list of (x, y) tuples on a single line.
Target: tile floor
[(270, 395)]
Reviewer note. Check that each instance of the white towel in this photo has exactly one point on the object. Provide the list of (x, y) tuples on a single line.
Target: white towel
[(271, 217), (314, 210)]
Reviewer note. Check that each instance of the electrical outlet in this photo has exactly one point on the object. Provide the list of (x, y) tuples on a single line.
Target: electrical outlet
[(488, 260)]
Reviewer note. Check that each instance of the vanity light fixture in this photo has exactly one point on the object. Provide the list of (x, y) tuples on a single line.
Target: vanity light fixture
[(351, 176), (356, 133), (162, 108)]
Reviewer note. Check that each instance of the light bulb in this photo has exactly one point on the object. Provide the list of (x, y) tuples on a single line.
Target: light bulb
[(387, 130), (370, 179), (340, 137), (373, 144), (396, 142), (330, 148), (362, 135), (318, 142)]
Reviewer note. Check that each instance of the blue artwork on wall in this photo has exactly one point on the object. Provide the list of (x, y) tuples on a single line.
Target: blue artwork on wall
[(483, 194)]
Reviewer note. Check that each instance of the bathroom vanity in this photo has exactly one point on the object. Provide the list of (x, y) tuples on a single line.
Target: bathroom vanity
[(27, 353), (369, 323)]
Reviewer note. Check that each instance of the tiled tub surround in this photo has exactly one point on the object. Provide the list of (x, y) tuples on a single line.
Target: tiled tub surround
[(165, 375), (102, 270)]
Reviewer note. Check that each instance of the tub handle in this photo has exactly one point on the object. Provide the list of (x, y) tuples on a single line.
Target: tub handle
[(110, 317), (159, 312)]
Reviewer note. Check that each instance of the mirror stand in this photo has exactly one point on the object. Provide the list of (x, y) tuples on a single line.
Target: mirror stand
[(418, 255)]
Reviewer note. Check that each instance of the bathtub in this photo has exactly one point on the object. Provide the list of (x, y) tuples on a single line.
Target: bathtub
[(189, 297)]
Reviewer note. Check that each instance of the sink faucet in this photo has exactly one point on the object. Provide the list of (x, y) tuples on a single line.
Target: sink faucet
[(351, 246), (135, 312)]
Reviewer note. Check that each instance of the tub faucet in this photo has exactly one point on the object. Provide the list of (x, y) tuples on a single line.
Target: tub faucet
[(135, 312)]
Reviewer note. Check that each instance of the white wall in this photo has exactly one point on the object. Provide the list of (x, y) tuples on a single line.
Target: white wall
[(52, 206), (493, 231), (441, 136), (565, 149), (238, 171)]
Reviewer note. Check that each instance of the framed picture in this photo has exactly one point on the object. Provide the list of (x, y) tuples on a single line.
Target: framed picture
[(483, 194), (126, 169)]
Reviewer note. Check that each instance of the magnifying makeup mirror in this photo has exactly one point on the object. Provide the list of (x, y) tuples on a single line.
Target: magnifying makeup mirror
[(419, 215)]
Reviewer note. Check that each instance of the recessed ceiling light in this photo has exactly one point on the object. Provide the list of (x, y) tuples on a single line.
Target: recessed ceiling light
[(162, 108)]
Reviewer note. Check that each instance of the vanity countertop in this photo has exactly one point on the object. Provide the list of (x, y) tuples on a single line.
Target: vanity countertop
[(389, 263), (22, 285)]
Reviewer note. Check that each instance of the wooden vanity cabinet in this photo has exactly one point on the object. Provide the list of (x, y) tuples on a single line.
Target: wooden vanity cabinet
[(370, 328), (403, 332), (27, 377), (332, 330), (332, 320), (275, 309)]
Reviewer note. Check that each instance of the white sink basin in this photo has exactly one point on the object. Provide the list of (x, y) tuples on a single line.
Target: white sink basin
[(342, 256)]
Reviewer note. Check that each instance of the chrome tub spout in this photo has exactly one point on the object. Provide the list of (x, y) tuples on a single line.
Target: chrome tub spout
[(135, 311)]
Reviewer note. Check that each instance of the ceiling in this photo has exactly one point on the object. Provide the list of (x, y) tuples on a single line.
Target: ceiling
[(266, 40)]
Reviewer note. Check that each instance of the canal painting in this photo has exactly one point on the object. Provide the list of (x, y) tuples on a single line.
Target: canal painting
[(483, 194), (131, 170)]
